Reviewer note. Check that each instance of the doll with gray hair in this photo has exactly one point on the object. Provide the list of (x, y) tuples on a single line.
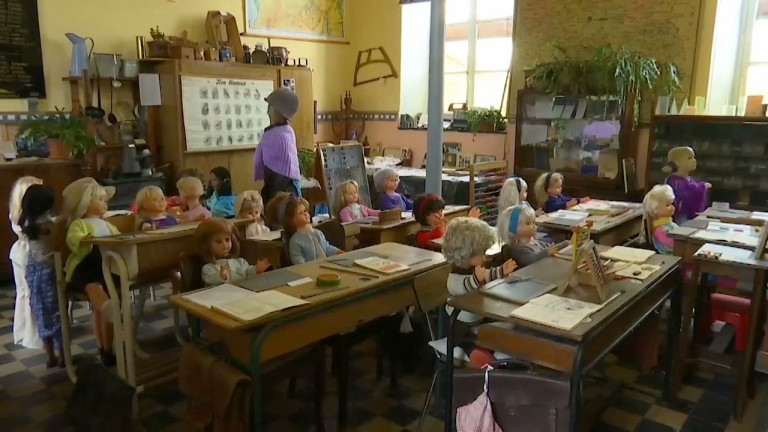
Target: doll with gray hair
[(517, 229), (464, 245), (386, 182), (658, 209)]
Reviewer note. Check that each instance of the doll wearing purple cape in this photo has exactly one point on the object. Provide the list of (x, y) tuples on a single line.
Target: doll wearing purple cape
[(691, 196)]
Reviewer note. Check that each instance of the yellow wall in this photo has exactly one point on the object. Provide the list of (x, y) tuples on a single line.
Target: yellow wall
[(114, 25)]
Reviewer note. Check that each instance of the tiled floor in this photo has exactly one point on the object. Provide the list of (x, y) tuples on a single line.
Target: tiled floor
[(33, 398)]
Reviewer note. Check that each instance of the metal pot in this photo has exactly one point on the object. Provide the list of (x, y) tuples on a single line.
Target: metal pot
[(279, 55)]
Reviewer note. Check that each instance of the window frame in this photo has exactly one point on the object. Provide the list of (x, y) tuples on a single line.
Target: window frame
[(748, 18)]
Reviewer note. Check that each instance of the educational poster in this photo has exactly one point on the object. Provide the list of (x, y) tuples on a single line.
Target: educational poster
[(224, 113)]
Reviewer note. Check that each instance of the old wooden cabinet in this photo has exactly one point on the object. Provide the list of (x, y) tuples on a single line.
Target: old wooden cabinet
[(170, 117)]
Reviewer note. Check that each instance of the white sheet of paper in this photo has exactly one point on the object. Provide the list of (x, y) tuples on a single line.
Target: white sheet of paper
[(301, 281), (173, 229), (259, 304), (759, 215), (279, 300), (268, 236), (149, 90), (628, 254), (217, 295), (726, 253), (722, 206)]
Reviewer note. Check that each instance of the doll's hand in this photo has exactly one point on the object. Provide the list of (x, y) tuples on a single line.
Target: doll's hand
[(508, 267), (585, 199), (480, 274), (262, 265), (572, 203), (339, 252), (540, 212), (708, 185), (553, 250), (474, 212), (224, 272), (149, 226)]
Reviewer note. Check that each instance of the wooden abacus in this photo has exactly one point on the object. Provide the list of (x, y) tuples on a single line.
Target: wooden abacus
[(581, 235), (485, 182)]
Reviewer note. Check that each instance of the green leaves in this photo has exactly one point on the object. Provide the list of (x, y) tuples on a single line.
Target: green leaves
[(69, 128)]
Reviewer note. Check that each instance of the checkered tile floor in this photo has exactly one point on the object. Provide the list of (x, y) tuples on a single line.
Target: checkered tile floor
[(33, 398)]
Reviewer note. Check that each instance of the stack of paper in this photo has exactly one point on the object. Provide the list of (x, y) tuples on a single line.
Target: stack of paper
[(567, 217), (628, 254), (759, 215), (597, 207), (242, 304), (381, 265), (725, 236), (558, 312), (725, 253)]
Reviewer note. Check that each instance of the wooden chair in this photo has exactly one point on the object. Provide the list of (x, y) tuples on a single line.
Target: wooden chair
[(334, 233), (276, 370)]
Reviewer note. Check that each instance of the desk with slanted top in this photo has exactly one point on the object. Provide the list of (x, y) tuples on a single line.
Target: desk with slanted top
[(364, 299), (606, 230), (400, 232), (576, 351)]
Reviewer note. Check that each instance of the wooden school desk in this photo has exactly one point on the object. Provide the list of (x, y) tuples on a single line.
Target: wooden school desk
[(273, 249), (742, 366), (253, 343), (576, 351), (400, 232), (139, 258), (608, 231)]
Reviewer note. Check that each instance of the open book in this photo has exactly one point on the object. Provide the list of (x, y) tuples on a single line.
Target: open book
[(567, 217), (381, 265), (558, 312), (242, 304)]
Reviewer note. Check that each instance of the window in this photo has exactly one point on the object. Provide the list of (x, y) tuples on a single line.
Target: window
[(478, 53), (754, 80)]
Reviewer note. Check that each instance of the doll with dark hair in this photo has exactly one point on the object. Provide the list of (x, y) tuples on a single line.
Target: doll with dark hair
[(428, 212), (36, 223), (218, 245), (305, 243), (220, 199)]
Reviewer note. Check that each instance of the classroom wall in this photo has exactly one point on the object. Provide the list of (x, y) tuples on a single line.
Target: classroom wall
[(113, 25)]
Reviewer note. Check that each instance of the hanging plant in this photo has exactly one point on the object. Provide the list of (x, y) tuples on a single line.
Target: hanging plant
[(616, 72)]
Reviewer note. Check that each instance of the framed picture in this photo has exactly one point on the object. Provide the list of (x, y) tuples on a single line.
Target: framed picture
[(451, 147), (464, 160), (315, 20), (450, 160), (484, 158)]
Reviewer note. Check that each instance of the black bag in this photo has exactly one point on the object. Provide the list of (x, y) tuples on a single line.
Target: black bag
[(100, 401)]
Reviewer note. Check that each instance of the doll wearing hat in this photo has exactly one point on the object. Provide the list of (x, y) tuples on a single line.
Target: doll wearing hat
[(517, 229), (85, 204), (276, 160), (249, 205), (690, 194)]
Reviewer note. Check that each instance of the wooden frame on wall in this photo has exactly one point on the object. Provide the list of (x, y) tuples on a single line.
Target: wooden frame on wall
[(328, 28)]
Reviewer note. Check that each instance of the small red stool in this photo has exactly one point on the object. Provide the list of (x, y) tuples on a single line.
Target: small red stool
[(732, 310)]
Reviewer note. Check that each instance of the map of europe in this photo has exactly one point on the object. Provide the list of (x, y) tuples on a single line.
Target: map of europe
[(321, 19)]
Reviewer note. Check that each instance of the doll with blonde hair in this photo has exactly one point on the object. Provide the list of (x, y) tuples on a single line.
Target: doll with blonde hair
[(658, 209), (548, 191), (85, 204), (191, 189), (305, 243), (517, 230), (386, 181), (348, 201), (514, 191), (24, 327), (218, 245), (690, 194), (249, 205), (151, 206)]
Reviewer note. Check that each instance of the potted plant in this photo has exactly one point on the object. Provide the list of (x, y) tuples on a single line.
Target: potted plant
[(485, 120), (307, 162), (616, 72), (64, 134)]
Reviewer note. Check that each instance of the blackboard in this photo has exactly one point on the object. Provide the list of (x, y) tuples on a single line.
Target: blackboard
[(21, 54)]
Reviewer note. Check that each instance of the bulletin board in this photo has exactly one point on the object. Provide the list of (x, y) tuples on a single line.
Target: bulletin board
[(223, 113), (339, 164), (663, 29)]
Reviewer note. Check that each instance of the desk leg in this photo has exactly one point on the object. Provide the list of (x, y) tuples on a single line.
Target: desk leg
[(449, 372), (673, 337), (746, 369), (575, 397)]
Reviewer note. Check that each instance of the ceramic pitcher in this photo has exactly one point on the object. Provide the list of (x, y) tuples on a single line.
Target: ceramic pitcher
[(80, 57)]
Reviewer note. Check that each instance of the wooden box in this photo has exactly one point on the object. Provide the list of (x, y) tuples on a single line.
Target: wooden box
[(182, 52)]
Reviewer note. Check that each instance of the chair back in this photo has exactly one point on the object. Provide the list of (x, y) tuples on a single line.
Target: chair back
[(190, 272), (334, 233), (125, 223), (430, 288)]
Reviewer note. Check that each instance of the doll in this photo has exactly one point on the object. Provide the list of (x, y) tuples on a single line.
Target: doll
[(37, 224), (658, 209), (517, 229), (249, 205), (85, 203), (348, 199), (151, 206), (220, 199), (24, 327), (190, 190), (218, 245), (272, 216), (428, 212), (386, 182), (690, 194), (514, 191), (549, 193), (305, 243)]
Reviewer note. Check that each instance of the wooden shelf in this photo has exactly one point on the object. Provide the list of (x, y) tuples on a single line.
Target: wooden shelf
[(93, 78), (709, 118)]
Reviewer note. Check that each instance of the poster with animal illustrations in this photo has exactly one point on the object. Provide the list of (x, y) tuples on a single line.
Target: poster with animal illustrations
[(223, 113)]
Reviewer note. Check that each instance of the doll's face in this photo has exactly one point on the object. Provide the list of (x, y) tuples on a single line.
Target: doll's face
[(301, 218), (216, 183), (154, 203), (665, 209), (250, 214), (190, 199), (351, 195), (555, 187), (526, 230), (97, 207), (221, 244), (392, 183), (523, 195), (435, 218)]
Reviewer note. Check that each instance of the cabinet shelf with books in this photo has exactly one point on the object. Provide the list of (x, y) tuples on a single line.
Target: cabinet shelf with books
[(587, 139), (731, 154)]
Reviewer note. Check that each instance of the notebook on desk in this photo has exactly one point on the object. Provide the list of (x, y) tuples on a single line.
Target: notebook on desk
[(516, 290), (242, 304), (558, 312)]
